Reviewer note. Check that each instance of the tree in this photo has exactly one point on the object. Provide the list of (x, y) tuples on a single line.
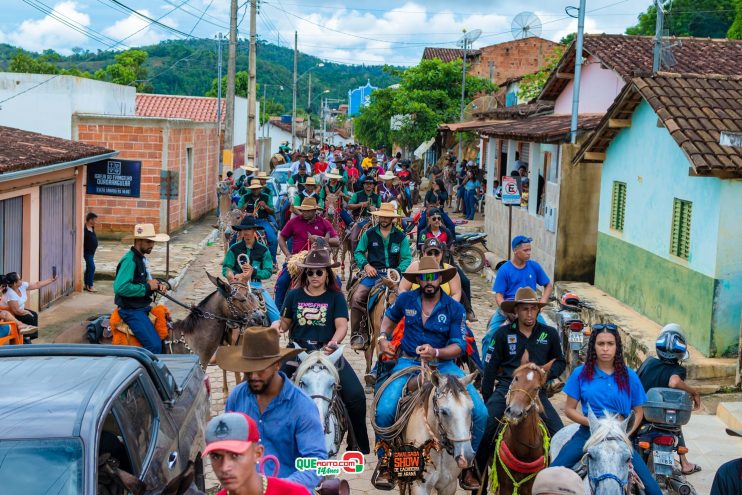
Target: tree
[(428, 95), (567, 40), (272, 107), (24, 63), (532, 84), (735, 30), (127, 70), (700, 18)]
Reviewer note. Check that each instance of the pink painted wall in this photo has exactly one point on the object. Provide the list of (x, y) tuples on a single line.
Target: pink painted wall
[(598, 88)]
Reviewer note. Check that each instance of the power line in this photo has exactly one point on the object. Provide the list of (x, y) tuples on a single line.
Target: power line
[(70, 23), (155, 21), (196, 15)]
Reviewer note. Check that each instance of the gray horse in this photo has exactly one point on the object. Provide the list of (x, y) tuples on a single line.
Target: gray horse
[(607, 453)]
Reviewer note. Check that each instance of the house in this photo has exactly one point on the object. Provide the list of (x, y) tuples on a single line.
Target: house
[(359, 98), (42, 209), (670, 150)]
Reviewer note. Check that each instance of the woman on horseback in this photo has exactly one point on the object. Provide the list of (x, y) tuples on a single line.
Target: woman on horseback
[(336, 187), (316, 317), (604, 384)]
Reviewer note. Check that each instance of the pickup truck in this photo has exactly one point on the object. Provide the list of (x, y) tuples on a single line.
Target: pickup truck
[(65, 407)]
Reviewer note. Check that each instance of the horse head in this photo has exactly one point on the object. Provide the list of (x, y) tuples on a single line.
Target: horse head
[(608, 454), (523, 393), (236, 299), (452, 410)]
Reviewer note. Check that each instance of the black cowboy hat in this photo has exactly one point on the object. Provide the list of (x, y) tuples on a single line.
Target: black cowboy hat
[(369, 179), (247, 223), (318, 258)]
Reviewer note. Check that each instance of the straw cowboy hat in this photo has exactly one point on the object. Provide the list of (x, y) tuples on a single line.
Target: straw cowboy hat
[(310, 182), (524, 295), (249, 168), (255, 184), (308, 204), (260, 349), (318, 258), (147, 231), (427, 265), (332, 176), (262, 175), (388, 175), (387, 210)]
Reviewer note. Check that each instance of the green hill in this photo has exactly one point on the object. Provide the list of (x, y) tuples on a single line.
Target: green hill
[(189, 67)]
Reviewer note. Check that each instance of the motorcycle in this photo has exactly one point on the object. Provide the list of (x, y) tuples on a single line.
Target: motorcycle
[(468, 255), (666, 410), (573, 332)]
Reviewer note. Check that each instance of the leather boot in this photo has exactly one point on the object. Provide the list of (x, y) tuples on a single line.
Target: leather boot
[(357, 339), (469, 479)]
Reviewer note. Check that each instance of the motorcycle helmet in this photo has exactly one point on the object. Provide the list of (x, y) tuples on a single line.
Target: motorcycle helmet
[(570, 299), (671, 344)]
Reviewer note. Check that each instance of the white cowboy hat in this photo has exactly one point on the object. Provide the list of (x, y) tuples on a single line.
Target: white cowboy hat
[(147, 231), (388, 176), (333, 176), (387, 210), (249, 168)]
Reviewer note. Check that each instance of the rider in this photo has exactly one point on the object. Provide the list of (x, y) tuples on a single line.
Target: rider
[(525, 336), (253, 270), (380, 248), (258, 204), (134, 287), (435, 329), (361, 204), (301, 175), (316, 317), (605, 385), (389, 190), (302, 230), (435, 229), (310, 191), (520, 271), (337, 187), (666, 371)]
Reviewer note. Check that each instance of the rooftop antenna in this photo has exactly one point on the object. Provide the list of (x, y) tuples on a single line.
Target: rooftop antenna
[(667, 56), (525, 25), (465, 41)]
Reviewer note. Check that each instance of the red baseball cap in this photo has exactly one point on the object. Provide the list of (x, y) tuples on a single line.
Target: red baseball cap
[(233, 432)]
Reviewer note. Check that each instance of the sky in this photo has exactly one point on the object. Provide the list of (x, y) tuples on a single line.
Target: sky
[(350, 32)]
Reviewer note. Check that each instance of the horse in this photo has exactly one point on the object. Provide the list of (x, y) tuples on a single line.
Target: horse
[(389, 288), (439, 413), (317, 376), (607, 454), (522, 445), (227, 218), (333, 205)]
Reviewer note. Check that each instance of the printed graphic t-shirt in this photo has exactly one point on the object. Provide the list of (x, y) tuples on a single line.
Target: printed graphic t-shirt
[(313, 317)]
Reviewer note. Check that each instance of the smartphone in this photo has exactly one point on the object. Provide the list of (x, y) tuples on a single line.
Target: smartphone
[(54, 272)]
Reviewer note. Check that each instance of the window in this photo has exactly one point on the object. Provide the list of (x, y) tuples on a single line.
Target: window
[(680, 238), (618, 205), (138, 413)]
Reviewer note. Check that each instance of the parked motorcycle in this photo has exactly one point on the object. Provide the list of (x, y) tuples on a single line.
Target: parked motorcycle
[(573, 332), (468, 255), (666, 410)]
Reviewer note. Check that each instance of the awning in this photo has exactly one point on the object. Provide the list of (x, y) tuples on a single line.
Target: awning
[(541, 128), (425, 146), (471, 125)]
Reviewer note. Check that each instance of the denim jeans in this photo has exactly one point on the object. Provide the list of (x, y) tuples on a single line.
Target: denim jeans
[(345, 216), (270, 305), (89, 269), (386, 408), (144, 330), (283, 282), (572, 452), (470, 203)]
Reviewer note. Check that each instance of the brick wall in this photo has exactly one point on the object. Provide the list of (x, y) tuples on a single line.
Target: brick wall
[(513, 58)]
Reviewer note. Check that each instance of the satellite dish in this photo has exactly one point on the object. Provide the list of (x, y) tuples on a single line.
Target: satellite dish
[(470, 37), (525, 25)]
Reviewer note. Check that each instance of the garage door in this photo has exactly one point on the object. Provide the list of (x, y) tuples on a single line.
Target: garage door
[(57, 240), (11, 232)]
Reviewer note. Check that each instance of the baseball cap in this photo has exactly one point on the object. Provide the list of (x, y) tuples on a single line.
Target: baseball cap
[(233, 432), (557, 480), (520, 239), (433, 243)]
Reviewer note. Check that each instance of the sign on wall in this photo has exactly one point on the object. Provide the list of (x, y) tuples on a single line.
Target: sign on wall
[(114, 178)]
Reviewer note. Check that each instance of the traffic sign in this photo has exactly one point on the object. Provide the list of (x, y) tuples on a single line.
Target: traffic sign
[(510, 191)]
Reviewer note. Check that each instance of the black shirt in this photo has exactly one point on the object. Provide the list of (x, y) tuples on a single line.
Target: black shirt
[(313, 317), (433, 198), (728, 479), (656, 373), (89, 242), (504, 356)]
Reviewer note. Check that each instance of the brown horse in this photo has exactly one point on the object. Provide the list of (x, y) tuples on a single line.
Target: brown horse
[(333, 205), (389, 292), (522, 445)]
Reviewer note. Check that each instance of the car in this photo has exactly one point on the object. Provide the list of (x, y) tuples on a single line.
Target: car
[(67, 408), (281, 175)]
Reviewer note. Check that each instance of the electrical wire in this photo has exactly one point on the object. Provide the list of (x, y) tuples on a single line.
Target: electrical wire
[(155, 21)]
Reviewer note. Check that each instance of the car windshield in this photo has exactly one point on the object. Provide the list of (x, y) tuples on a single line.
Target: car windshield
[(60, 461)]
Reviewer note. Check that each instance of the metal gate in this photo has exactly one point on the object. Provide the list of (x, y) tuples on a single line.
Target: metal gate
[(11, 233), (57, 240)]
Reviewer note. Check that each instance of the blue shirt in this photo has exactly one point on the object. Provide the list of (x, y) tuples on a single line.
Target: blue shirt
[(602, 392), (472, 184), (511, 278), (446, 324), (289, 428)]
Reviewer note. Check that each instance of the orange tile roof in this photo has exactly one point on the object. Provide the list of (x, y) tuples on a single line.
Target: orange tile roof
[(198, 108)]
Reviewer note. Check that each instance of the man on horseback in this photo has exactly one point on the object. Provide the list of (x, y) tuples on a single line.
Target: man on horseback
[(310, 191), (525, 335), (362, 203), (380, 248), (435, 330), (134, 287), (255, 268), (258, 204), (300, 171)]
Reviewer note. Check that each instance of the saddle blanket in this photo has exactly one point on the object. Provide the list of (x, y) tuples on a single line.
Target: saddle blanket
[(123, 335)]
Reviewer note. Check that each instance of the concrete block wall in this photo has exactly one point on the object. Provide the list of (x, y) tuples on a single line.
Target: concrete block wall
[(513, 58)]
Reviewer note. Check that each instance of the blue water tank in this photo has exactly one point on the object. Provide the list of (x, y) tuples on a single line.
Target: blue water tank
[(285, 119)]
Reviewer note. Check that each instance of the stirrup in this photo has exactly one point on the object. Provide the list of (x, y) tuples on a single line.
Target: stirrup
[(358, 342), (384, 483)]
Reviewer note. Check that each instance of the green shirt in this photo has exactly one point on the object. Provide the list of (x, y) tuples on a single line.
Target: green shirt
[(365, 211), (405, 256), (123, 284), (301, 196), (341, 189), (262, 268)]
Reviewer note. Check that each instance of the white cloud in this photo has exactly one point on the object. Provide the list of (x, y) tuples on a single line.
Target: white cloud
[(591, 26), (47, 32), (141, 31)]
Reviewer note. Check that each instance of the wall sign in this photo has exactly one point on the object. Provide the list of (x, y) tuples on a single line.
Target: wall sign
[(114, 178)]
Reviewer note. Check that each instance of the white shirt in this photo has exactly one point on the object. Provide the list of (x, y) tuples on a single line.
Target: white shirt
[(11, 295), (295, 168)]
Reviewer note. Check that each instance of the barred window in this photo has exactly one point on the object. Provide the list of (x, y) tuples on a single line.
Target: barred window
[(618, 206), (680, 237)]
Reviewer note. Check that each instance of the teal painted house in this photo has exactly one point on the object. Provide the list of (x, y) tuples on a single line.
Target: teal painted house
[(670, 209)]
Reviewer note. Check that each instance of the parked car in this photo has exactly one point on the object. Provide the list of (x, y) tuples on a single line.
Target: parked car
[(281, 176), (65, 408)]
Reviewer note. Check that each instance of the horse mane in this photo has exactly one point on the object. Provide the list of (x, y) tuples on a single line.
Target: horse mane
[(189, 324), (317, 357), (609, 428)]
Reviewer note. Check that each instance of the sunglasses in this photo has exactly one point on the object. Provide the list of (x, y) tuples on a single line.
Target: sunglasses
[(605, 326), (435, 219), (430, 277), (315, 273), (432, 252)]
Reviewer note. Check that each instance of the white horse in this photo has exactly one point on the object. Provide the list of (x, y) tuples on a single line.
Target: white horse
[(317, 376), (607, 453)]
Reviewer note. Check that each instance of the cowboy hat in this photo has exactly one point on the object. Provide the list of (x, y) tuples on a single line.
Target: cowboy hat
[(260, 349), (524, 295), (318, 258), (248, 223), (332, 176), (388, 175), (147, 231), (387, 210), (310, 182), (308, 204), (249, 168), (262, 175), (255, 184), (427, 265), (368, 180)]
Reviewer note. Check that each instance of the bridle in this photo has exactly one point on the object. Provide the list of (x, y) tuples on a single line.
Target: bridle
[(335, 407), (444, 440), (596, 480)]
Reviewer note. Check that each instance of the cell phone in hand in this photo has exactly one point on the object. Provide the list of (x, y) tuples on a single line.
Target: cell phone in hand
[(54, 272)]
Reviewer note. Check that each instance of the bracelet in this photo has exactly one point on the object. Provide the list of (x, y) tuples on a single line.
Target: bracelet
[(436, 353), (382, 336)]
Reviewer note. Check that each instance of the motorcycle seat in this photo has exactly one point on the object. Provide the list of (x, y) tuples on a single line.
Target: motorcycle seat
[(470, 236)]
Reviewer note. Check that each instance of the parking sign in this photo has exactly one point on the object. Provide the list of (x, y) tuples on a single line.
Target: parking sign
[(510, 191)]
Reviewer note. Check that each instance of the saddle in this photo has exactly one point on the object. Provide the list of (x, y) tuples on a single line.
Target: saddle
[(123, 335)]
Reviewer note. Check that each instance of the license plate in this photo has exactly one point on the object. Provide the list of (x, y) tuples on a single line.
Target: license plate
[(575, 337), (663, 458)]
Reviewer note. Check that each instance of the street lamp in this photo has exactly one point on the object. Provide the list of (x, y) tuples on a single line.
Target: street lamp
[(293, 106)]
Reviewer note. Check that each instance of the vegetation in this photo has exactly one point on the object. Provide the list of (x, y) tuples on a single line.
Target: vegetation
[(428, 95), (700, 18), (532, 84)]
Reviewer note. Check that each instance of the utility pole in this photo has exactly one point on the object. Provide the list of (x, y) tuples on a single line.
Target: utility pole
[(578, 71), (293, 105), (231, 68), (657, 59), (262, 109), (219, 105), (309, 110), (251, 88), (463, 93)]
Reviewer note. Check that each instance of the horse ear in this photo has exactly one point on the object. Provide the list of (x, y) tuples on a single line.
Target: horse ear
[(547, 366), (526, 358), (468, 379), (435, 378), (335, 356), (213, 279), (592, 419)]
